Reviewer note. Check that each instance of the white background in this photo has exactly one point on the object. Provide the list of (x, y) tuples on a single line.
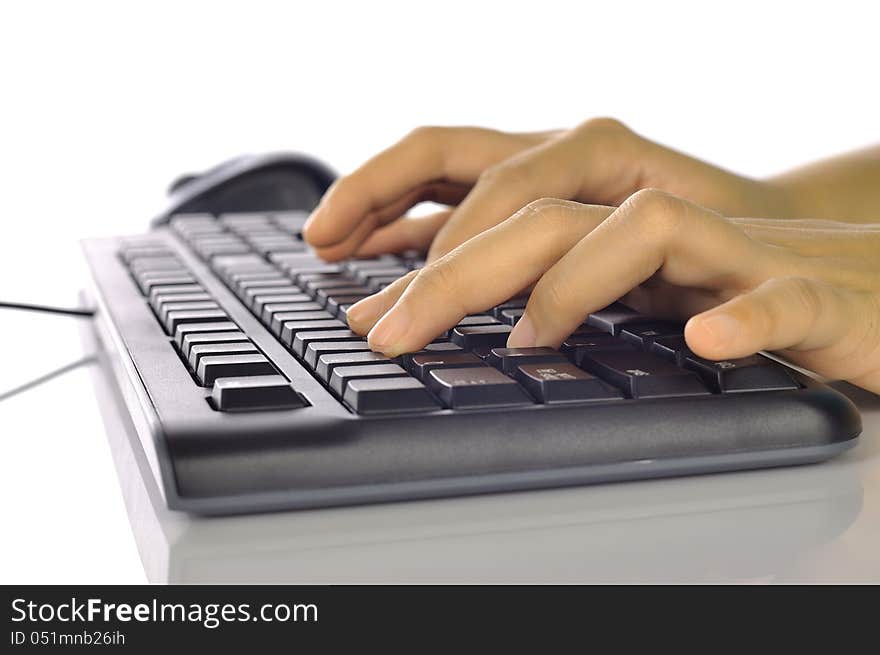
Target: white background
[(103, 103)]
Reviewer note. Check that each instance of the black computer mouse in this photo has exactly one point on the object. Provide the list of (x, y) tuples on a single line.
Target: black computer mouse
[(251, 183)]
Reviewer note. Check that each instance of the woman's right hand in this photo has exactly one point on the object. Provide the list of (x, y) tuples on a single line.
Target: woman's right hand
[(808, 290), (484, 176)]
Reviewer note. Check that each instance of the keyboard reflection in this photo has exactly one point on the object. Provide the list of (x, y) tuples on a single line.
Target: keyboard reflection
[(751, 526)]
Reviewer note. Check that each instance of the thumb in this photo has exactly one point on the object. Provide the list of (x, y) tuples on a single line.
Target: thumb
[(829, 329)]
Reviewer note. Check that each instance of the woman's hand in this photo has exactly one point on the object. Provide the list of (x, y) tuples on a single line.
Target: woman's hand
[(485, 176), (809, 290)]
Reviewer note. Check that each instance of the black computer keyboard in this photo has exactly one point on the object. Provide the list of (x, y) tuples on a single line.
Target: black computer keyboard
[(249, 391)]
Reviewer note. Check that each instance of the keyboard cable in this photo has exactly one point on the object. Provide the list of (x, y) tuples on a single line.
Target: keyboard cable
[(64, 311)]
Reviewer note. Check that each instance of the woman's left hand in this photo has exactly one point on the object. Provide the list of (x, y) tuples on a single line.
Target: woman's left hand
[(809, 290)]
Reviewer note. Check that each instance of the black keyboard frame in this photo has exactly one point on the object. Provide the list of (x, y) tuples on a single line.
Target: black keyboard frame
[(210, 462)]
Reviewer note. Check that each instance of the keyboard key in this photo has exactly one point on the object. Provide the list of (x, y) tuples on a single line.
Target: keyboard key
[(232, 366), (290, 221), (613, 318), (331, 271), (511, 316), (481, 336), (755, 373), (325, 283), (286, 328), (159, 301), (293, 312), (148, 282), (482, 352), (240, 219), (342, 312), (366, 276), (324, 295), (509, 359), (513, 303), (236, 278), (342, 375), (326, 363), (302, 301), (174, 289), (265, 285), (302, 339), (336, 303), (564, 383), (644, 334), (376, 284), (295, 263), (261, 280), (478, 319), (673, 349), (421, 364), (436, 347), (355, 265), (137, 252), (198, 338), (184, 307), (173, 319), (250, 295), (198, 351), (210, 239), (237, 262), (388, 395), (643, 375), (578, 346), (316, 349), (214, 249), (253, 393), (272, 245), (196, 328), (156, 264), (478, 386)]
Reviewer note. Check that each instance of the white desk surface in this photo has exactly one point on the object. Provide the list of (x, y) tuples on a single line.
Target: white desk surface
[(76, 508)]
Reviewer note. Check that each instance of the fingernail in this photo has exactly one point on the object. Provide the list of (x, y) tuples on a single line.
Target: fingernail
[(364, 312), (723, 328), (387, 334), (523, 334)]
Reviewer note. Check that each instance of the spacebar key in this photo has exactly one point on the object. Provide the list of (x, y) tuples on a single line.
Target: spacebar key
[(232, 366)]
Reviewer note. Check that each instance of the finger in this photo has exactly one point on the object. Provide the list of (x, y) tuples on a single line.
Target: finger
[(362, 315), (481, 273), (405, 234), (455, 155), (796, 314), (651, 233), (438, 192), (556, 168)]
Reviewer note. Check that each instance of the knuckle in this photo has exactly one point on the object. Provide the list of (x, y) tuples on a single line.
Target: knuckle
[(604, 133), (426, 134), (438, 278), (543, 207), (658, 214), (603, 125), (545, 212)]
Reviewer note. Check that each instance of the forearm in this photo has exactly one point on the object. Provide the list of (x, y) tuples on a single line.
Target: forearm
[(843, 188)]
